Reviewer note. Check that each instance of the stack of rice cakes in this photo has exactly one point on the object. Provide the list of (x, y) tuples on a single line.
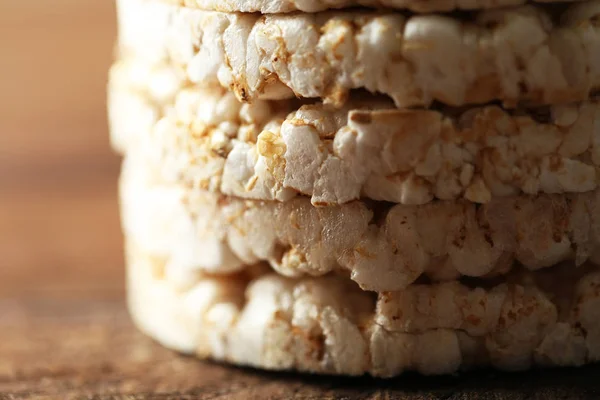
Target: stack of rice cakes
[(351, 191)]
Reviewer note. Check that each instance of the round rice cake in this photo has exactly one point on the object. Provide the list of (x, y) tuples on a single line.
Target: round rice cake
[(311, 6), (382, 247), (515, 55), (276, 150), (328, 325)]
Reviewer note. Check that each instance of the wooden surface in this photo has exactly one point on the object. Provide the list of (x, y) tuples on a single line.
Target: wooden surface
[(64, 330)]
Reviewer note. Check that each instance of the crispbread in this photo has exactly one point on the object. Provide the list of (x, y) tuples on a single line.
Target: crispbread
[(271, 150), (514, 55), (383, 247), (328, 325), (258, 149), (284, 6)]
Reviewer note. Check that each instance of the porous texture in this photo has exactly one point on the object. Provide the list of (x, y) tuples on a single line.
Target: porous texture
[(275, 150), (516, 55), (328, 325), (284, 6), (382, 247)]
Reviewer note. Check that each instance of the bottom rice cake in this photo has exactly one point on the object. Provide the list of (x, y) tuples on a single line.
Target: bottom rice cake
[(329, 325)]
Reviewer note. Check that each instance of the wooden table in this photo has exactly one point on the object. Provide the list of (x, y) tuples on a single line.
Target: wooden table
[(64, 329)]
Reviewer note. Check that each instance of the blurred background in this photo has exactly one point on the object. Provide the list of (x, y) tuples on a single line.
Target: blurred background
[(59, 227)]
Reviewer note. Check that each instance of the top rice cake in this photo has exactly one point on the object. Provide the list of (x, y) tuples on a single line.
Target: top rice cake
[(534, 55)]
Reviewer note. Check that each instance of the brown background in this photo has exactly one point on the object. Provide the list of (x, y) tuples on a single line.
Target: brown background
[(64, 330), (59, 231)]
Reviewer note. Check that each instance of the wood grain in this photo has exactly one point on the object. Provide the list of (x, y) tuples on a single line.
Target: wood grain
[(64, 328)]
